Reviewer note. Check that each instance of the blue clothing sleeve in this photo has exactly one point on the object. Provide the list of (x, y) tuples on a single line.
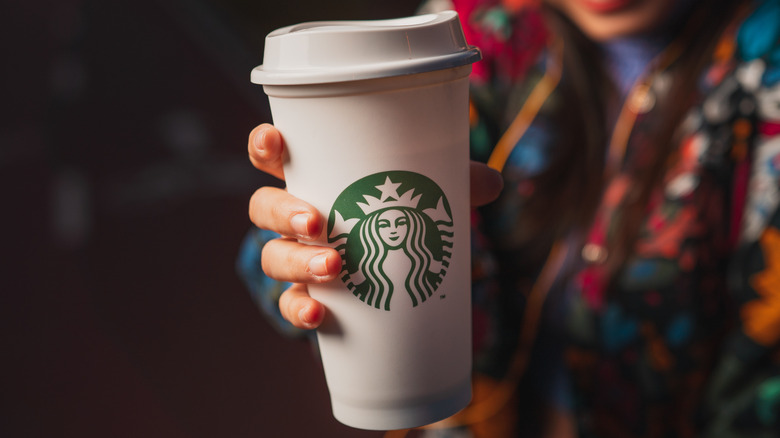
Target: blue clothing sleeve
[(265, 291)]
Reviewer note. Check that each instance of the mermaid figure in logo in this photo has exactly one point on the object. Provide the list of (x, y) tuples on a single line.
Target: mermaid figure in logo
[(393, 245), (386, 234)]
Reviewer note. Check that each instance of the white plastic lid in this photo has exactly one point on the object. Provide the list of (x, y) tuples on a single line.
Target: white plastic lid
[(338, 51)]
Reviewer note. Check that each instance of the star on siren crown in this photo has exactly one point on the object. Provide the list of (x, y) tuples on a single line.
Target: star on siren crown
[(389, 198)]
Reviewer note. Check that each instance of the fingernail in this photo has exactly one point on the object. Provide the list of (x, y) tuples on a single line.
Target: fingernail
[(300, 224), (310, 315), (318, 265), (303, 315), (258, 140)]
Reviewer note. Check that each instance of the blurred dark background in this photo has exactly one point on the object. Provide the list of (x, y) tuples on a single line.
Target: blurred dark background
[(124, 184)]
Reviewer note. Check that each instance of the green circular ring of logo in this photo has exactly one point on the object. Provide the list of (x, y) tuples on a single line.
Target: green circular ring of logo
[(394, 231)]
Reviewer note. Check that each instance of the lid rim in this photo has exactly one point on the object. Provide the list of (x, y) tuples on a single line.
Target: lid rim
[(324, 75)]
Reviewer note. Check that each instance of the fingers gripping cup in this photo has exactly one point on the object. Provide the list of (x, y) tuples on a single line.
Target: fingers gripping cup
[(375, 120)]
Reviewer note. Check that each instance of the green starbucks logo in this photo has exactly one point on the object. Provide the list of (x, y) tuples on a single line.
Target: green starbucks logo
[(394, 232)]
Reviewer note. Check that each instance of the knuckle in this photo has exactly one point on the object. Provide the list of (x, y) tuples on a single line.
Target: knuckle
[(282, 260), (253, 204), (295, 264), (258, 203), (266, 257), (284, 304)]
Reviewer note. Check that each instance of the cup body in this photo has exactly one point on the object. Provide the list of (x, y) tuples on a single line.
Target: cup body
[(396, 342), (374, 116)]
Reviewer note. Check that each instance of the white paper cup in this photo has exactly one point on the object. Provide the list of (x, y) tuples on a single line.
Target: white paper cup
[(375, 121)]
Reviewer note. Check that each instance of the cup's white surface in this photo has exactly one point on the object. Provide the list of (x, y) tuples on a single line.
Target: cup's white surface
[(405, 361)]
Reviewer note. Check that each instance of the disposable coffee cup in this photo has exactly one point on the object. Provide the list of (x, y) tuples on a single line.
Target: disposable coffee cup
[(374, 115)]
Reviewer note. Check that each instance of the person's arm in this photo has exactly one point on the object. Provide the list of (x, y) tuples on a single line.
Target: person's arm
[(265, 291)]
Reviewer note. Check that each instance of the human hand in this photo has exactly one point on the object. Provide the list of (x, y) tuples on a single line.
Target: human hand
[(285, 259)]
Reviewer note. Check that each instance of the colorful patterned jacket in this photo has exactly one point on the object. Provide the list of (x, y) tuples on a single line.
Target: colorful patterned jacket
[(686, 340)]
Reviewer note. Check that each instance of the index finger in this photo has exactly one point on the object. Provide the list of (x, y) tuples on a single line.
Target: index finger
[(265, 148)]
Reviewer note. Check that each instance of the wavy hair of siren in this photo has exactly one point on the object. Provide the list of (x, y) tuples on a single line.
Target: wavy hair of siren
[(380, 287)]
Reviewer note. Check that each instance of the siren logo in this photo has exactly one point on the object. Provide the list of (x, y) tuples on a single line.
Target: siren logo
[(394, 232)]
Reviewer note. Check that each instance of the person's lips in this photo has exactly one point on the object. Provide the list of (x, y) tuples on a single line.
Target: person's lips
[(606, 6)]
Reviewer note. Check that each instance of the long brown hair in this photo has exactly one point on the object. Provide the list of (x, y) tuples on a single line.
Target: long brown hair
[(569, 191)]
